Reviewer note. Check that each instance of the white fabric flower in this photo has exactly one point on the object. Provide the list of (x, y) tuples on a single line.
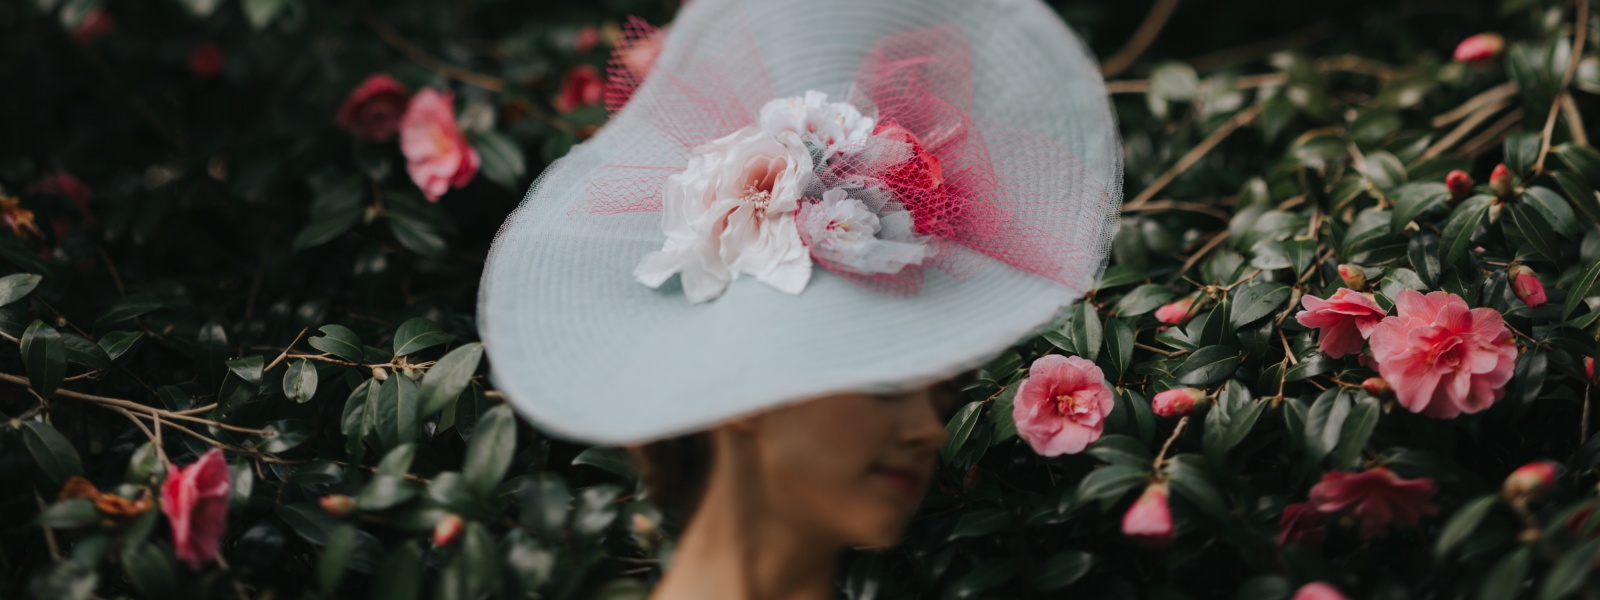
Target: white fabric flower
[(844, 232), (832, 126), (731, 212)]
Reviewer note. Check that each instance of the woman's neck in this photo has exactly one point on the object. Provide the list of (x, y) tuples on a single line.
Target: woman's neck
[(734, 549)]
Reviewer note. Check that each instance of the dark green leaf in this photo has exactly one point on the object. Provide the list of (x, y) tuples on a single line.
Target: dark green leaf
[(960, 428), (1325, 422), (339, 341), (448, 377), (418, 334), (612, 460), (1086, 330), (983, 522), (1582, 287), (1111, 482), (1208, 366), (1143, 299), (1256, 300), (1061, 570), (1569, 573), (1356, 430), (1119, 449), (1457, 234), (128, 308), (1462, 524), (51, 451), (1505, 579), (84, 352), (300, 381), (503, 162), (397, 419), (16, 286), (117, 343), (489, 453), (44, 354), (1414, 199)]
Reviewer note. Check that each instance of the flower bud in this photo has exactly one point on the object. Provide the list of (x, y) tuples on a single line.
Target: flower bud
[(1527, 286), (1177, 402), (1502, 181), (1494, 217), (1175, 312), (1378, 387), (1530, 481), (1318, 590), (1149, 520), (1460, 184), (379, 374), (1354, 278), (338, 505), (447, 530), (1588, 367), (1480, 48)]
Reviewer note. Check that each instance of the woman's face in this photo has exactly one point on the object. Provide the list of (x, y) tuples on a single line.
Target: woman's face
[(852, 467)]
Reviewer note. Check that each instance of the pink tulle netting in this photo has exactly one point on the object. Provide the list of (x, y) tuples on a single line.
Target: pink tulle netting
[(975, 187)]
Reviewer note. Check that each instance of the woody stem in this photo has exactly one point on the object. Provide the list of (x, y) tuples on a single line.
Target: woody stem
[(1176, 431)]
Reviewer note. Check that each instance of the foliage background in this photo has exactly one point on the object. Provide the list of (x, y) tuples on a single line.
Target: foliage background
[(231, 224)]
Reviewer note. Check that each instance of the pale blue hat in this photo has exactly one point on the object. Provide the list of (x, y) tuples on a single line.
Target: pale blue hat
[(585, 351)]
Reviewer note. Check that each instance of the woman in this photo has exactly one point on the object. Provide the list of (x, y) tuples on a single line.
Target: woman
[(799, 219)]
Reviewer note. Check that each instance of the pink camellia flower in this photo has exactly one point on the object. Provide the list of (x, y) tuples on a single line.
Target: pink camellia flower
[(1177, 402), (1175, 312), (1318, 590), (1460, 184), (195, 500), (582, 86), (94, 25), (1377, 499), (1345, 319), (1527, 286), (1061, 407), (1479, 48), (1442, 358), (1302, 525), (373, 109), (206, 60), (1149, 520), (438, 157), (1530, 481)]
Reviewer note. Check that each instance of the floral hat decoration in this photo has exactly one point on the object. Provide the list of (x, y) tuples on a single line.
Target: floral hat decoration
[(804, 198)]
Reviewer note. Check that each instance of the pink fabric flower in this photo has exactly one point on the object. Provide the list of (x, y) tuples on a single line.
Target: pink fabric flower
[(1345, 319), (1176, 402), (195, 500), (1061, 407), (1175, 312), (1442, 358), (1318, 590), (1479, 48), (206, 60), (437, 156), (582, 86), (373, 109), (1149, 520), (1302, 525), (1378, 500)]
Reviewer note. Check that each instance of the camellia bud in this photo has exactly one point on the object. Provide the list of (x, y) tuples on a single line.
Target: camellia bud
[(1530, 481), (1378, 387), (1175, 312), (380, 374), (1460, 184), (1149, 520), (447, 530), (1588, 367), (1177, 402), (1354, 278), (1501, 181), (1527, 286), (338, 505), (1318, 590), (1480, 48)]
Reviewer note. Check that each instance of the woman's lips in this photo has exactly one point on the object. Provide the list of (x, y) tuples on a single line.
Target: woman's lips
[(906, 481)]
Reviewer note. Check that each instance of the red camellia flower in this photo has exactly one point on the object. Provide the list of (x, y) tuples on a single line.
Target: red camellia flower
[(1318, 590), (438, 157), (582, 86), (195, 500), (1176, 402), (1443, 358), (206, 60), (1175, 312), (1460, 184), (1061, 407), (1479, 48), (1377, 500), (1345, 319), (447, 530), (1527, 286), (1302, 525), (1149, 520), (373, 109), (1530, 481)]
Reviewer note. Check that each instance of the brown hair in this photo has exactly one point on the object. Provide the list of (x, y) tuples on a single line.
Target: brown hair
[(675, 471)]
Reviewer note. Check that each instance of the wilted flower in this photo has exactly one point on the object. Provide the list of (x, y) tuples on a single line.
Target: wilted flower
[(109, 504), (1443, 358), (1061, 407), (1502, 181), (447, 529), (1175, 312), (1479, 48), (373, 109), (1527, 286), (438, 157), (20, 221), (195, 500), (1318, 590), (1460, 184), (581, 86), (1345, 320), (1177, 402), (1377, 500), (206, 60), (1149, 520), (1530, 481), (1302, 525)]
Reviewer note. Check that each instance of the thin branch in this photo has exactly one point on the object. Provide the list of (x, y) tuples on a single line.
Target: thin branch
[(399, 42), (1580, 31), (1216, 240), (1162, 456), (1493, 135), (1477, 117), (1142, 37), (1195, 154), (1499, 92), (1569, 112), (286, 349), (135, 406), (1165, 205)]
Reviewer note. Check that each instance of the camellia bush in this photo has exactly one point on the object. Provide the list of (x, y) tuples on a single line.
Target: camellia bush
[(1344, 347)]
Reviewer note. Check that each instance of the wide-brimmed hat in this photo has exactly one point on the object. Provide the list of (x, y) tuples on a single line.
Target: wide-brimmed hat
[(799, 199)]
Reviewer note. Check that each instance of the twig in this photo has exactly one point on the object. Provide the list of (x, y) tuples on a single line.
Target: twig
[(1580, 31), (1569, 111), (1142, 37), (1215, 241), (1492, 136), (1249, 52), (1165, 205), (1499, 92), (1477, 117), (399, 42), (1156, 350), (135, 406), (286, 349), (1194, 155), (1162, 456)]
